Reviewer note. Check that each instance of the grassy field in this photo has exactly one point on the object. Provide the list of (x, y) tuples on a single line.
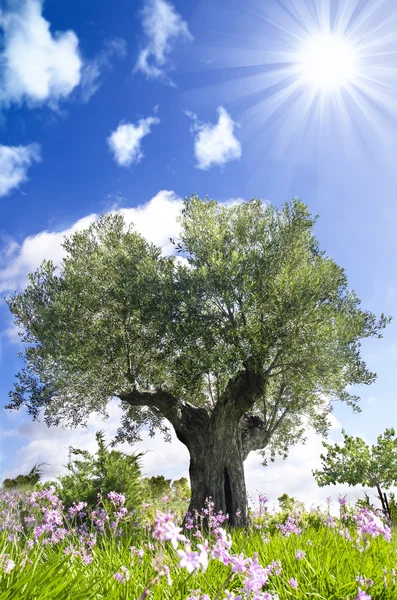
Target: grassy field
[(47, 553)]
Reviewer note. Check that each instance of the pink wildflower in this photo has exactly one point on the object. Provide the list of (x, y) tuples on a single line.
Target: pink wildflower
[(362, 595), (189, 559), (166, 530)]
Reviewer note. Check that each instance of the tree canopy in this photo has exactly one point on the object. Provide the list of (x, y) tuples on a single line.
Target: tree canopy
[(254, 291), (247, 334)]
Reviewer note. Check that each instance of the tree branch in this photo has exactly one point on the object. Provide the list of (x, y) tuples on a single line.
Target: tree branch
[(241, 392), (278, 422), (188, 421), (273, 413), (255, 435)]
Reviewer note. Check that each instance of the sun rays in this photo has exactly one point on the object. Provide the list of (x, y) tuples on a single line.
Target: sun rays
[(311, 66)]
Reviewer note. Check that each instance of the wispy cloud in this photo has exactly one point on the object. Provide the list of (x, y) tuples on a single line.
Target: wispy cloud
[(35, 65), (94, 69), (14, 164), (125, 141), (215, 144), (162, 27)]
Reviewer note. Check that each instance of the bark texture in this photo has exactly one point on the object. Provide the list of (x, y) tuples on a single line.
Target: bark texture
[(218, 441)]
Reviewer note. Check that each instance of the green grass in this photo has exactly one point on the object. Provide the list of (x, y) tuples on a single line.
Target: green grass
[(327, 572)]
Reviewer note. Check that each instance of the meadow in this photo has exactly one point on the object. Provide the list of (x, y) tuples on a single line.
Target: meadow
[(110, 552)]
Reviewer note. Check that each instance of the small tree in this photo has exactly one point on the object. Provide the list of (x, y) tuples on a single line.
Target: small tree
[(29, 480), (356, 463), (162, 494), (181, 488), (286, 503), (255, 333), (155, 487), (105, 471)]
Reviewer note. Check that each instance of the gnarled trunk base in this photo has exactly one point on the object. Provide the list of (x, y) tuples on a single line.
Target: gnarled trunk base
[(217, 471)]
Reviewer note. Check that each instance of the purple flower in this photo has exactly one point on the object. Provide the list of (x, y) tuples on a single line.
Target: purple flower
[(256, 576), (369, 524), (116, 499), (203, 556), (86, 558), (362, 595), (300, 554), (239, 563), (77, 508), (166, 530), (123, 575), (293, 583), (290, 526), (232, 596), (189, 559), (6, 564)]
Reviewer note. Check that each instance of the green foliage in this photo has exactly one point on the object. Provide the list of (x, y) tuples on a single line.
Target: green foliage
[(181, 489), (105, 471), (254, 292), (356, 463), (164, 495), (365, 503), (155, 487), (23, 481), (286, 503)]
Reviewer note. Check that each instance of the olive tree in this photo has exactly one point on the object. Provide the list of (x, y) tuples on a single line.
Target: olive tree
[(246, 335)]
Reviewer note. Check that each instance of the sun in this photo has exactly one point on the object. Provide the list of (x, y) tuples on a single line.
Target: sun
[(327, 62), (306, 70)]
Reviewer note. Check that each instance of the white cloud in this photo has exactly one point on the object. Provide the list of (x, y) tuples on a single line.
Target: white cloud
[(125, 142), (162, 26), (215, 144), (14, 163), (156, 220), (35, 65), (34, 249), (92, 70)]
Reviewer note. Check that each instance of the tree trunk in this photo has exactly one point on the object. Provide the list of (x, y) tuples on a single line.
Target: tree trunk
[(217, 468), (383, 499), (218, 442)]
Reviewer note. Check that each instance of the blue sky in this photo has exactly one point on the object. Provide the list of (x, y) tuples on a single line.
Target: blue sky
[(134, 105)]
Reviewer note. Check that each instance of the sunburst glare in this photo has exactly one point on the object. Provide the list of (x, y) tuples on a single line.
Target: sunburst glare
[(309, 69), (327, 62)]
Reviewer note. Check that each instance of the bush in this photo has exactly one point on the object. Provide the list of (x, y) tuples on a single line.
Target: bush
[(105, 471)]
